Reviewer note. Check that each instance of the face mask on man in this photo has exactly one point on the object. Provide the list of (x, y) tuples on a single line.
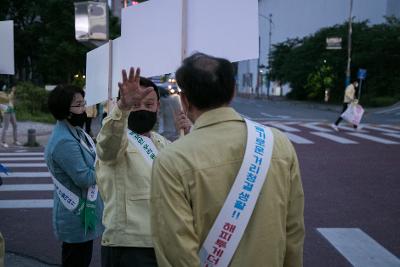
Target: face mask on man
[(77, 119), (141, 121)]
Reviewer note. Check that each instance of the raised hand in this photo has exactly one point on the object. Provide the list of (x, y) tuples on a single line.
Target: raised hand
[(130, 90)]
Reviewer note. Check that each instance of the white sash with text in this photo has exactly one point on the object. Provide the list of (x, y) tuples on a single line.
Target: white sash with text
[(68, 198), (145, 146), (231, 222)]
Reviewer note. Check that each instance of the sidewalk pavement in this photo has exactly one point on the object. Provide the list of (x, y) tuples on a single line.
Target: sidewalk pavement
[(43, 132)]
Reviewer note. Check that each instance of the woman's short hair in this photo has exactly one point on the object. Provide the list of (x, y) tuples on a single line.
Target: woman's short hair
[(60, 100)]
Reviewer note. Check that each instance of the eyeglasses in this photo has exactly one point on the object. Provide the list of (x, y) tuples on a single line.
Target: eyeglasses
[(79, 105)]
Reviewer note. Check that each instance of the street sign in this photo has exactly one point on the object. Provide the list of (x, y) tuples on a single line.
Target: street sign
[(362, 74), (334, 43), (91, 21)]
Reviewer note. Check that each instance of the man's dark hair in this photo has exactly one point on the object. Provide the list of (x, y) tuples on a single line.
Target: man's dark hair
[(208, 82), (60, 100), (146, 83)]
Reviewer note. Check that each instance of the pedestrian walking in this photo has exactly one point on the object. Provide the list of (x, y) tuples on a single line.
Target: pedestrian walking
[(349, 97), (9, 117), (126, 148), (70, 156), (194, 176)]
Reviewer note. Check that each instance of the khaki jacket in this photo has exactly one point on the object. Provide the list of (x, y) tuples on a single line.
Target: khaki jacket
[(4, 98), (123, 178), (191, 179), (349, 93), (8, 99)]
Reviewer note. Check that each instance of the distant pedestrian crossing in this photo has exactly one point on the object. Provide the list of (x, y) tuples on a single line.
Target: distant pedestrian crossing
[(307, 133), (28, 184)]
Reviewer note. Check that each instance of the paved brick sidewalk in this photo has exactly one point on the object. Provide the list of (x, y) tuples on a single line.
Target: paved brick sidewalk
[(43, 132)]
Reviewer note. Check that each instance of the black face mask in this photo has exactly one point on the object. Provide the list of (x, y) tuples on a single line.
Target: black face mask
[(77, 119), (141, 121)]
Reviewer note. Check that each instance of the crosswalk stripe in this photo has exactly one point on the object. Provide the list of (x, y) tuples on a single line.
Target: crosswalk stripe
[(274, 116), (290, 122), (25, 165), (374, 138), (393, 135), (350, 129), (390, 126), (334, 138), (26, 175), (380, 129), (298, 139), (27, 187), (282, 127), (359, 248), (21, 159), (7, 154), (26, 203), (313, 126)]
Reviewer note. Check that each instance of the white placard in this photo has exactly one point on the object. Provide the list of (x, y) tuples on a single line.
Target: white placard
[(223, 28), (7, 47), (97, 75), (117, 70), (151, 37)]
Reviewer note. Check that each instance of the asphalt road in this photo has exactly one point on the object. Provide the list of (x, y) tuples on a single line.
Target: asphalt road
[(350, 181)]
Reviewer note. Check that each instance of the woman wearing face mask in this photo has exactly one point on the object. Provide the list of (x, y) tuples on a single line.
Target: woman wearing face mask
[(126, 148), (70, 156)]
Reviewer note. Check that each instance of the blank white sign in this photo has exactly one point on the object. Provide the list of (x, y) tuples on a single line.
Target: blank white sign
[(151, 37), (223, 28), (7, 47), (117, 70), (97, 75)]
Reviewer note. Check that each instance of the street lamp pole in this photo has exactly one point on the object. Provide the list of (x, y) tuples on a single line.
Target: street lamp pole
[(269, 18), (348, 72), (269, 55)]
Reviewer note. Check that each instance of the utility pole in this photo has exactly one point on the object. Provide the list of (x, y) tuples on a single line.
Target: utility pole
[(269, 18), (258, 69), (269, 54), (348, 71)]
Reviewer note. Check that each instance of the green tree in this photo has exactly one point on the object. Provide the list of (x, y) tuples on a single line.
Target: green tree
[(46, 51), (375, 48), (319, 81)]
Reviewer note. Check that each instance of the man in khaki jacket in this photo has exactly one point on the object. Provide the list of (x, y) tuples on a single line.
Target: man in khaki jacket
[(192, 177), (123, 174)]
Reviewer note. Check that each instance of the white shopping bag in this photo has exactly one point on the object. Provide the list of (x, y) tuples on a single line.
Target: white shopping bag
[(353, 114)]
